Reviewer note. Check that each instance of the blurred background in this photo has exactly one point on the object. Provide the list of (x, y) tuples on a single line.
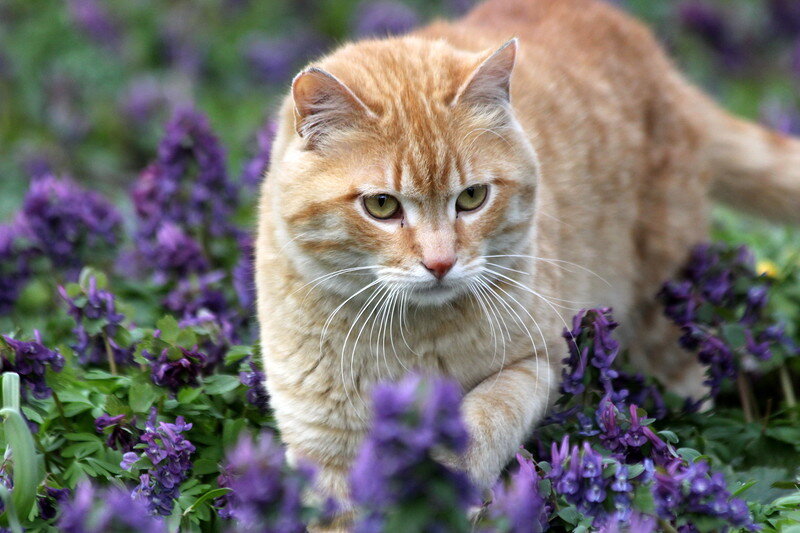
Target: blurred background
[(87, 85)]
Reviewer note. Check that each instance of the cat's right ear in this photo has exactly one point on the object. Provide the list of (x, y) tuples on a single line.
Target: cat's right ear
[(322, 103)]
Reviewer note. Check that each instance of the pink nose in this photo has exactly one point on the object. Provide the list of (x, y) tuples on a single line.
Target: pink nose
[(439, 266)]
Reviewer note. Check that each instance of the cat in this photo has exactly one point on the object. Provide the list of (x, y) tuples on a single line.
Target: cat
[(443, 202)]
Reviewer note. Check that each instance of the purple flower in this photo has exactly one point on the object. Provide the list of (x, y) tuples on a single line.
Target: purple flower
[(709, 24), (50, 501), (383, 18), (181, 48), (520, 502), (590, 342), (394, 466), (93, 19), (265, 494), (175, 370), (717, 295), (112, 509), (69, 224), (780, 115), (30, 360), (146, 97), (170, 454), (15, 268), (684, 489), (275, 60), (186, 187), (174, 254), (579, 477), (255, 168), (785, 16), (96, 309), (200, 302), (244, 276), (122, 436), (257, 393)]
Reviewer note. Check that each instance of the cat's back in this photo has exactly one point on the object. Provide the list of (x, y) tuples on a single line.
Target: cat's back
[(578, 36)]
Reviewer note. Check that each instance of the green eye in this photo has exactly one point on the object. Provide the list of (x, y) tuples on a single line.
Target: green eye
[(381, 206), (471, 198)]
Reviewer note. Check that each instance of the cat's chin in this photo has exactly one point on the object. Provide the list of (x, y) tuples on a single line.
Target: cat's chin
[(435, 295)]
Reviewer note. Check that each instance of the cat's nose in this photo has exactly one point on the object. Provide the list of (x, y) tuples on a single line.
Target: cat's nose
[(439, 266)]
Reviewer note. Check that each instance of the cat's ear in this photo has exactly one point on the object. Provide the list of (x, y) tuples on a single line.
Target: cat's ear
[(323, 103), (490, 83)]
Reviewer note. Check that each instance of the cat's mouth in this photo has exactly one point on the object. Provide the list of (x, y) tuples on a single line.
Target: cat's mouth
[(435, 293)]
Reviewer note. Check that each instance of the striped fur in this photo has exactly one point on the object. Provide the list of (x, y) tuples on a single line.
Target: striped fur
[(599, 171)]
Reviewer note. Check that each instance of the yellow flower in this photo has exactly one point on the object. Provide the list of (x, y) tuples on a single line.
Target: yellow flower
[(768, 268)]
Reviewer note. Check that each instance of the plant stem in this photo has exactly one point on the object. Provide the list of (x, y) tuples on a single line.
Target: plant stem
[(112, 364), (666, 526), (788, 388), (744, 397), (60, 408)]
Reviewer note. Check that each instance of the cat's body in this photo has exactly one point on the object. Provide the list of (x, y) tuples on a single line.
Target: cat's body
[(602, 170)]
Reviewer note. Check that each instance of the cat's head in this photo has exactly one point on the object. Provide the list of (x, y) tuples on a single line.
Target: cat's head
[(400, 162)]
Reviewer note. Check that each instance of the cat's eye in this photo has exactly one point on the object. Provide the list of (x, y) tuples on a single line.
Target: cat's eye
[(471, 198), (381, 206)]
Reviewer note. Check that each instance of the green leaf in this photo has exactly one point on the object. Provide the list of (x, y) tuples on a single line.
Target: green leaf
[(643, 500), (187, 395), (733, 333), (237, 353), (88, 273), (669, 436), (231, 429), (141, 397), (221, 383), (202, 467), (169, 329), (210, 495), (570, 515), (793, 500), (27, 467), (691, 455)]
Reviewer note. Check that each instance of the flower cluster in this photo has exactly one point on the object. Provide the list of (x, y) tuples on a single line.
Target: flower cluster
[(395, 468), (91, 17), (177, 368), (592, 347), (187, 186), (69, 224), (200, 303), (588, 480), (378, 19), (98, 322), (256, 391), (51, 500), (113, 509), (265, 493), (600, 479), (243, 276), (255, 168), (169, 454), (30, 360), (719, 302), (173, 254), (519, 503), (123, 436), (15, 264), (276, 59), (682, 490)]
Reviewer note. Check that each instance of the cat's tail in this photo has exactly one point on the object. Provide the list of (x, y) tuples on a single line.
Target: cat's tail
[(752, 167)]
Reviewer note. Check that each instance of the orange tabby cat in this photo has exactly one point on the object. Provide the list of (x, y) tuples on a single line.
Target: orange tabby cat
[(441, 202)]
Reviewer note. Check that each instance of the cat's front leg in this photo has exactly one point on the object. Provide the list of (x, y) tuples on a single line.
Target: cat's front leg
[(500, 413)]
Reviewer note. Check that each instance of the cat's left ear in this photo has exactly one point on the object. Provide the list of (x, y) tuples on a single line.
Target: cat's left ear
[(323, 104), (490, 83)]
